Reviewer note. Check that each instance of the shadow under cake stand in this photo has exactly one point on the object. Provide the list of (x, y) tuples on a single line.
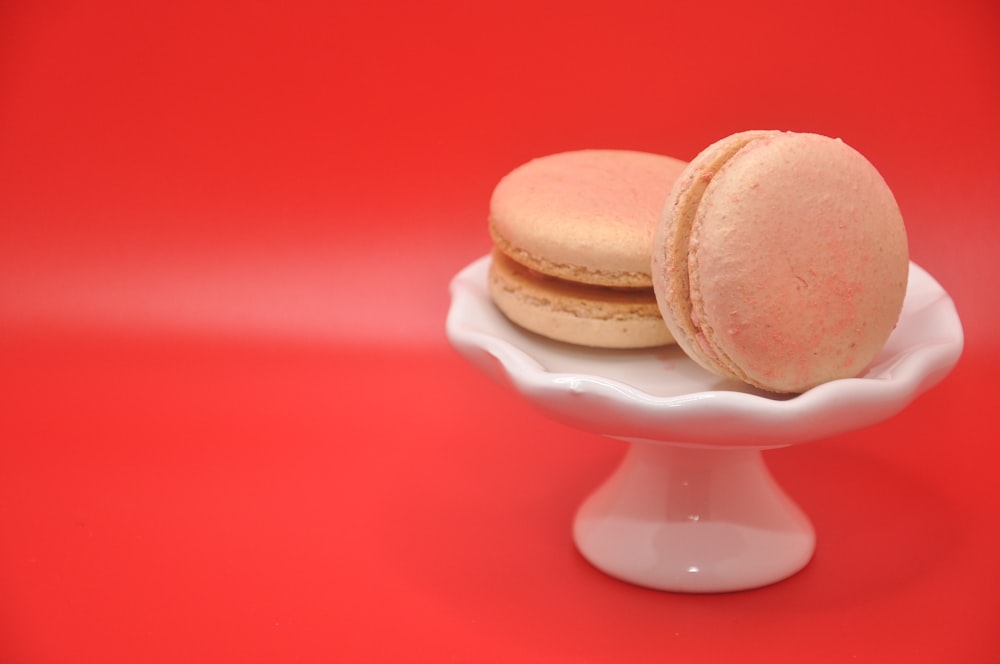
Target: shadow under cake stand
[(692, 506)]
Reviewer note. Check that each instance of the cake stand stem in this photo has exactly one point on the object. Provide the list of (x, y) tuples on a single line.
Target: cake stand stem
[(693, 519)]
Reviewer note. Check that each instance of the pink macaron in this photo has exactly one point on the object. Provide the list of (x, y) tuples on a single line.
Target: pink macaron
[(781, 259)]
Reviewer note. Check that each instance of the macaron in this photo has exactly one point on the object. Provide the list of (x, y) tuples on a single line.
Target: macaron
[(573, 236), (781, 260)]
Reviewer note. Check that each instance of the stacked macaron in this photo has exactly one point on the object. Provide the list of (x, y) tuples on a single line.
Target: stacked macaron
[(573, 236), (776, 258)]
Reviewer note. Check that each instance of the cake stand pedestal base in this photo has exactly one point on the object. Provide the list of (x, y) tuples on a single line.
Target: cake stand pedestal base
[(693, 519)]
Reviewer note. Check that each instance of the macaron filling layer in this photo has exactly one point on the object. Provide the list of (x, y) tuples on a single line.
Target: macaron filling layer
[(597, 316)]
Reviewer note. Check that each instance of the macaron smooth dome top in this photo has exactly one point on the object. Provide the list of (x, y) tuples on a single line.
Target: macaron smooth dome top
[(586, 216), (781, 260)]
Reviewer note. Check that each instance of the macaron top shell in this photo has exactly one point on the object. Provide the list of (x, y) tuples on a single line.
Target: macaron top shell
[(587, 216), (796, 260)]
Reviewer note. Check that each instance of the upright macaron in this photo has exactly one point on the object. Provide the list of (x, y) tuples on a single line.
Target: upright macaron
[(573, 235), (781, 259)]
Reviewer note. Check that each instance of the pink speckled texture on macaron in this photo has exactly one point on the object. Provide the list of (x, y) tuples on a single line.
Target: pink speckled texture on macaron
[(587, 215), (782, 260)]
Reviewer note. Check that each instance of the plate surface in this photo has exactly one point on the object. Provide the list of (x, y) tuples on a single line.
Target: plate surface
[(662, 395)]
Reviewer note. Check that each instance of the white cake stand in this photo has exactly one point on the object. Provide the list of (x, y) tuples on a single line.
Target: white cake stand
[(692, 507)]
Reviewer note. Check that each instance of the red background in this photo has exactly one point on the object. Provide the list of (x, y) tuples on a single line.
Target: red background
[(231, 428)]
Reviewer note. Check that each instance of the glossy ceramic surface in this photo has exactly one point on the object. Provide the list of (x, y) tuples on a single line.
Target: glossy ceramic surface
[(692, 506)]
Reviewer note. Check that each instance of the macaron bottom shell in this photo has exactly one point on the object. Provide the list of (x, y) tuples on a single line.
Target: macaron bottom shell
[(574, 313)]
